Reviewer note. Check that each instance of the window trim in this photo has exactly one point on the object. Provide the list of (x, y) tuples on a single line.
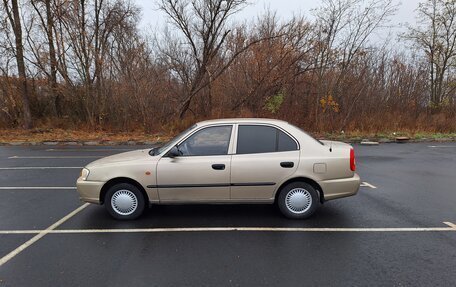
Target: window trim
[(277, 138), (230, 142)]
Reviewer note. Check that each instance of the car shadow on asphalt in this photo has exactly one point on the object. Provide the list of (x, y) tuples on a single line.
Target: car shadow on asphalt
[(177, 216)]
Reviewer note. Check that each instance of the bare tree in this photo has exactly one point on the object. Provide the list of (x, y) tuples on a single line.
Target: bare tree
[(12, 11), (45, 13), (323, 74), (343, 29), (84, 32), (196, 55), (436, 36), (270, 65)]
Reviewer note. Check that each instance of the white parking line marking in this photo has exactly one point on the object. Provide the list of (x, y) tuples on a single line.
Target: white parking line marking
[(40, 167), (366, 184), (227, 229), (442, 146), (450, 224), (89, 150), (40, 234), (47, 157), (37, 187)]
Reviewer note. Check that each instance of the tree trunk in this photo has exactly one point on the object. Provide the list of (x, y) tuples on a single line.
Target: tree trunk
[(52, 57), (15, 21)]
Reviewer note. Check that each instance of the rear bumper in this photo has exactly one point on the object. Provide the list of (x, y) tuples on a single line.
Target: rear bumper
[(89, 191), (343, 187)]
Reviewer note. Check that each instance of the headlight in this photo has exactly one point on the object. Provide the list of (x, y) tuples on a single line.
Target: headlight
[(84, 174)]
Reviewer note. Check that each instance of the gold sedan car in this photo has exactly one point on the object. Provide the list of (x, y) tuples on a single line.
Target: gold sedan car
[(225, 161)]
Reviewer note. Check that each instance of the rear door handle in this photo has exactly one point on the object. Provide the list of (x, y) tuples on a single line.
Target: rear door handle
[(287, 164), (218, 166)]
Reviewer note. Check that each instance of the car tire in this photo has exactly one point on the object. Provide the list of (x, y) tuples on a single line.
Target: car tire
[(298, 200), (124, 201)]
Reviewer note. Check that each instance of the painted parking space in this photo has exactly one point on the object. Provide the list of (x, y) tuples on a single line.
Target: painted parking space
[(79, 150), (402, 206), (449, 227), (366, 184), (40, 234), (34, 209), (237, 258), (55, 157), (38, 177)]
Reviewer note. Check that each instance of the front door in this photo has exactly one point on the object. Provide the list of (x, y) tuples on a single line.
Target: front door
[(201, 172)]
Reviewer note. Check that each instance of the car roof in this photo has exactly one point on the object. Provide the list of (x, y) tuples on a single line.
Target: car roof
[(242, 120)]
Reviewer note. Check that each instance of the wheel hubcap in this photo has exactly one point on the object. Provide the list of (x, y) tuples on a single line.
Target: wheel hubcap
[(124, 202), (298, 200)]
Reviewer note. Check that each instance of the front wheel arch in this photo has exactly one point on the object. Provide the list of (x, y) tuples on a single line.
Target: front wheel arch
[(307, 180), (118, 180)]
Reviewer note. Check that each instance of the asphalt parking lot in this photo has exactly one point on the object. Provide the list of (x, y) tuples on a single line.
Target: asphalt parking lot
[(400, 230)]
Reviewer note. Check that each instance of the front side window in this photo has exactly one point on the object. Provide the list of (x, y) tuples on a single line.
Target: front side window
[(263, 139), (208, 141)]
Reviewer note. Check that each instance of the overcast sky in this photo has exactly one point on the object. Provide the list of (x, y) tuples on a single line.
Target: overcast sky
[(153, 19)]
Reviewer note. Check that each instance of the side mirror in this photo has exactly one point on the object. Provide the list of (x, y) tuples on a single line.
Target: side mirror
[(173, 152)]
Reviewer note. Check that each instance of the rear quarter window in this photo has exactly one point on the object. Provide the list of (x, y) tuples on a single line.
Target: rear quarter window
[(285, 142)]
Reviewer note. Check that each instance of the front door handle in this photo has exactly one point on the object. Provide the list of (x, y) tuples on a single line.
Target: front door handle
[(287, 164), (218, 166)]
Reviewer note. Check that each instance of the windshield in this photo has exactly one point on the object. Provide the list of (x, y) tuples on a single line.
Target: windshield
[(159, 150)]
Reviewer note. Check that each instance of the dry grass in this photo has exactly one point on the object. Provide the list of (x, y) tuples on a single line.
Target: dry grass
[(61, 135)]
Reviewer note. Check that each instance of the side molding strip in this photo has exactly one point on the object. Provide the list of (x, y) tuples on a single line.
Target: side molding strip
[(212, 185)]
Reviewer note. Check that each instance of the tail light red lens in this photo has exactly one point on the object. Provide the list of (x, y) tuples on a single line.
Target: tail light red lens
[(352, 160)]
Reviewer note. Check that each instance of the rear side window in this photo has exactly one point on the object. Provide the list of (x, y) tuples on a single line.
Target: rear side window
[(256, 139), (263, 139)]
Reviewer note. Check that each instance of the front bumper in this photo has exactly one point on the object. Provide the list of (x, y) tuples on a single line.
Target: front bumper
[(343, 187), (89, 191)]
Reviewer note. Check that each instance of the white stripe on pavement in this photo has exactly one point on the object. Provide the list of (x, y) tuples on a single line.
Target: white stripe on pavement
[(48, 157), (442, 146), (244, 229), (89, 150), (366, 184), (450, 224), (36, 187), (40, 167), (40, 234)]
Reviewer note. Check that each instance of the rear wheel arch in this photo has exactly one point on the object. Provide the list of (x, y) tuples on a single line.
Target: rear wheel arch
[(307, 180), (118, 180)]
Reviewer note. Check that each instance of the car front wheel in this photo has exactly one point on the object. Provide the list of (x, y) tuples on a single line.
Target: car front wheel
[(298, 200), (124, 201)]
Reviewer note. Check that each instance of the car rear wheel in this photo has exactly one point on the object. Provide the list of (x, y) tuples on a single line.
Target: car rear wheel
[(298, 200), (124, 201)]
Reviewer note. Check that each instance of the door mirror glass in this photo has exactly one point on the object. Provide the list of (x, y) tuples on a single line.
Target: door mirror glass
[(173, 152)]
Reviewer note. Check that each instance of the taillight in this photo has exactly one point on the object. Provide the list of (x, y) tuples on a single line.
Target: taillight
[(352, 160)]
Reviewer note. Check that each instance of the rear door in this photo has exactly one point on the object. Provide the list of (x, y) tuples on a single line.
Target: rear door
[(202, 172), (265, 156)]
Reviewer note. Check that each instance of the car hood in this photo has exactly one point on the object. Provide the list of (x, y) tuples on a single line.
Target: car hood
[(121, 157)]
